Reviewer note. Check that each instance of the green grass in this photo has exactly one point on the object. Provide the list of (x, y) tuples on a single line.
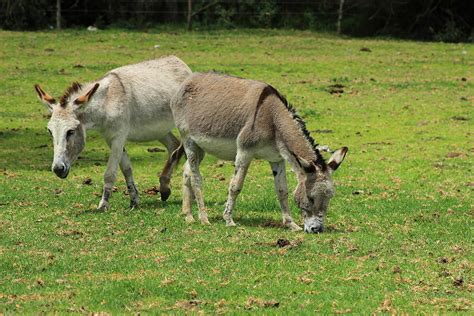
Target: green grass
[(404, 244)]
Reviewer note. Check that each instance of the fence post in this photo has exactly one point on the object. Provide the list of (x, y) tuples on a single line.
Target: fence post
[(58, 14), (339, 16), (190, 14)]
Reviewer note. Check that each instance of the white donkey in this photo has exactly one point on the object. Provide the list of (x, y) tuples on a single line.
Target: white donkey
[(128, 103), (238, 119)]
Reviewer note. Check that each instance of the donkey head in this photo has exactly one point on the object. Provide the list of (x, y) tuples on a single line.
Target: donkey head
[(69, 134), (315, 190)]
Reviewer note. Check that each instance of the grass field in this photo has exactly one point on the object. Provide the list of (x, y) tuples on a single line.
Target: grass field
[(399, 230)]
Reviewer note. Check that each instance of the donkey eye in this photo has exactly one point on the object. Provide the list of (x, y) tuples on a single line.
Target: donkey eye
[(70, 133)]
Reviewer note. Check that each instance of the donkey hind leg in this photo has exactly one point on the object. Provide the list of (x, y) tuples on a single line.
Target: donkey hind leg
[(195, 155), (242, 162), (174, 154), (188, 195), (110, 175), (281, 189), (126, 168)]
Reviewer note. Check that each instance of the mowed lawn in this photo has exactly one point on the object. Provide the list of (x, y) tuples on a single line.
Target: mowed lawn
[(399, 230)]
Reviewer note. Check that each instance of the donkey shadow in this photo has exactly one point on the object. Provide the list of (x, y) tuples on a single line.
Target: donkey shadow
[(146, 206), (268, 222), (250, 221), (151, 203)]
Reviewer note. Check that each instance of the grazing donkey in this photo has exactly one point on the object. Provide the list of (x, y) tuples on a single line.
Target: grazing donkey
[(238, 119), (128, 103)]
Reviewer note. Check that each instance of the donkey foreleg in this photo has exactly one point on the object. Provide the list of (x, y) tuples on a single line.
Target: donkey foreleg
[(195, 155), (242, 163), (110, 175), (126, 168), (281, 189), (174, 154)]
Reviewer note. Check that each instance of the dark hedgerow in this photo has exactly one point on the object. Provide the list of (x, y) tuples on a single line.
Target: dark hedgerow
[(449, 21)]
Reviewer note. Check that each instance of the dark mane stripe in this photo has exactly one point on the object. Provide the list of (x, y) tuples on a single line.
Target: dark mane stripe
[(299, 121), (75, 87)]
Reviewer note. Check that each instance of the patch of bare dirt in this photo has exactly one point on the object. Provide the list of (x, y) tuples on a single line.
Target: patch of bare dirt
[(336, 88), (155, 150), (282, 243), (152, 191), (190, 305), (254, 302), (460, 118), (454, 154)]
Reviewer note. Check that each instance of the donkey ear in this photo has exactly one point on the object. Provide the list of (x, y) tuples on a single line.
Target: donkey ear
[(307, 166), (337, 158), (45, 98), (86, 97)]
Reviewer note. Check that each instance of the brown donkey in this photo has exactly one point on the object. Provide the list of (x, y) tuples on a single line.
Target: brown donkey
[(238, 119)]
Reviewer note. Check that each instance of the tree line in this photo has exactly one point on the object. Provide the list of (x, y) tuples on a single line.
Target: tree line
[(442, 20)]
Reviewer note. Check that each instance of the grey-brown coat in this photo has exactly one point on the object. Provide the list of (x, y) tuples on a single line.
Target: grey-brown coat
[(239, 119)]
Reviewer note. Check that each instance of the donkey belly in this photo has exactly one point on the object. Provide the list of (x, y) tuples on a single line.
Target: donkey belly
[(222, 148), (226, 149), (147, 131), (150, 120), (268, 152)]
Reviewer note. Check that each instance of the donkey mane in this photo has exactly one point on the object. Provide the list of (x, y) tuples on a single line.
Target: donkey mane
[(75, 87), (301, 125)]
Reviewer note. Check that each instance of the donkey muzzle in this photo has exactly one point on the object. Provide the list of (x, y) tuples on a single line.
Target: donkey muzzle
[(314, 225), (314, 229), (61, 170)]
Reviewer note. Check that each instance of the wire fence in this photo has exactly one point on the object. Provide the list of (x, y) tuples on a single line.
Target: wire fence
[(292, 8), (447, 20), (181, 12)]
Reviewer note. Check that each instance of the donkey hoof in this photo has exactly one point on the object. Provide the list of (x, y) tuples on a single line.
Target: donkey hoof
[(165, 193), (133, 204), (293, 227), (204, 221), (189, 219), (103, 205), (230, 223)]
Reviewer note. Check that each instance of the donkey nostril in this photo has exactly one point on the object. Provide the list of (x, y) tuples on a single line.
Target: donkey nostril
[(58, 168), (317, 229)]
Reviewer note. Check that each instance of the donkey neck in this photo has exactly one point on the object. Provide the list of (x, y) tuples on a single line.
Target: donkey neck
[(92, 115), (292, 137)]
